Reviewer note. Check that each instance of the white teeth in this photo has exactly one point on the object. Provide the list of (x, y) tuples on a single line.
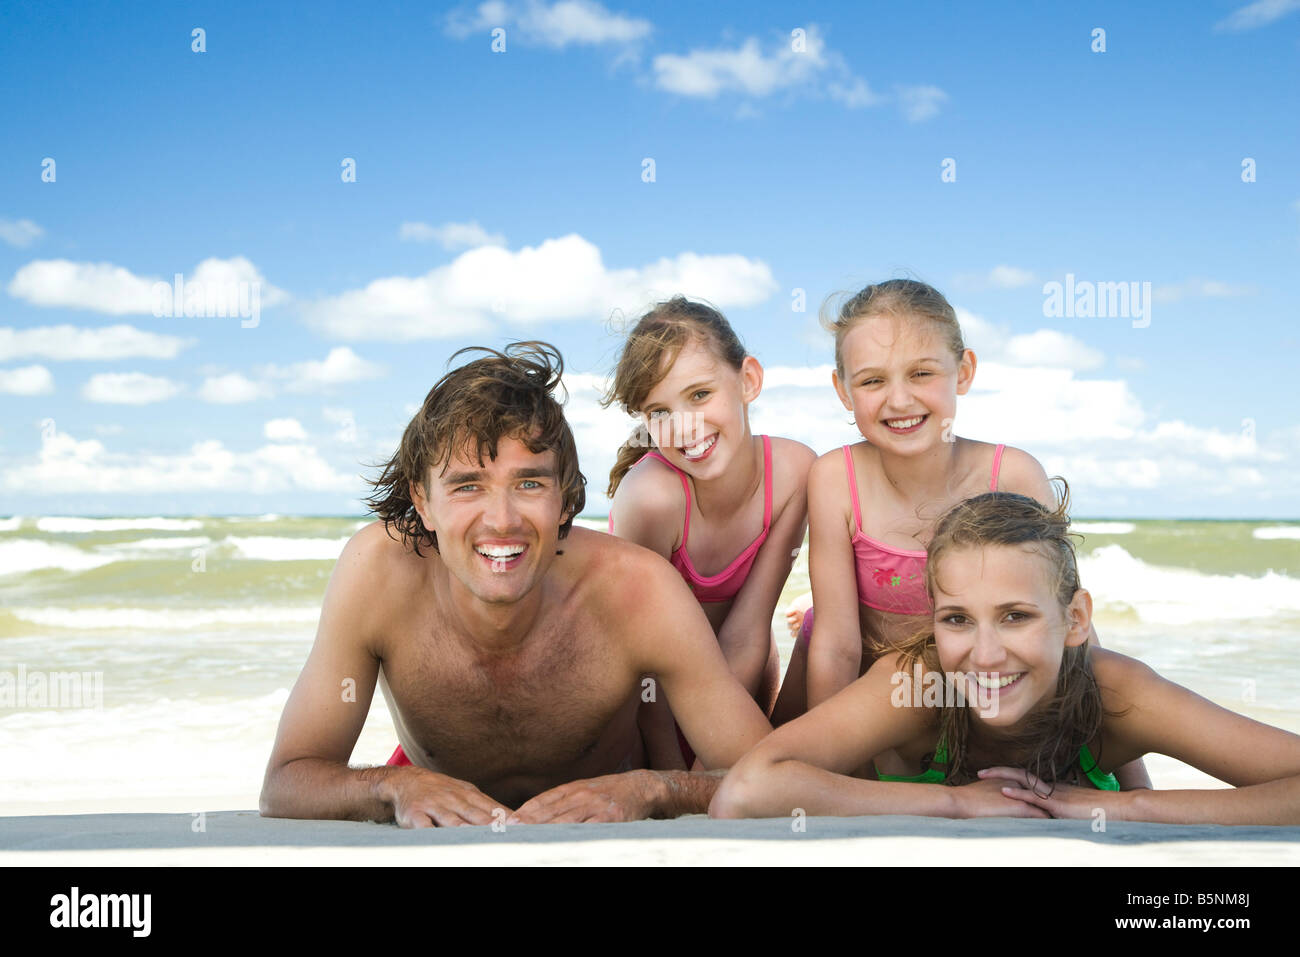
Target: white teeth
[(695, 451), (904, 423), (500, 551), (995, 680)]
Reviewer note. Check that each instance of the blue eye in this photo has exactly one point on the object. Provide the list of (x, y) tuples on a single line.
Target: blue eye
[(530, 483)]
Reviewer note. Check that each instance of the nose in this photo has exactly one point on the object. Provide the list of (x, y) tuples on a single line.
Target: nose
[(500, 512), (987, 654), (899, 397)]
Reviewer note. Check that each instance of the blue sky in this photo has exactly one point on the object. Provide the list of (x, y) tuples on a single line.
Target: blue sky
[(500, 195)]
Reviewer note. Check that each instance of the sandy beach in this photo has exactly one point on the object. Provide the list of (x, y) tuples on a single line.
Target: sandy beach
[(243, 838)]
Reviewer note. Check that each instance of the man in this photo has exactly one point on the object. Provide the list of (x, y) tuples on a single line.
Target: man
[(513, 662)]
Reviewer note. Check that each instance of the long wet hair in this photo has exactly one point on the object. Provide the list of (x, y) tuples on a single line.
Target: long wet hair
[(471, 409), (651, 348), (1050, 740)]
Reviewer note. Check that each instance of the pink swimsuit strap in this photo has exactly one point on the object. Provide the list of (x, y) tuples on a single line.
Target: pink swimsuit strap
[(725, 585), (892, 579)]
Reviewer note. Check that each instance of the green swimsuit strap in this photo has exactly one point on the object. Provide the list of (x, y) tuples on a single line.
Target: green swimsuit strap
[(1102, 780)]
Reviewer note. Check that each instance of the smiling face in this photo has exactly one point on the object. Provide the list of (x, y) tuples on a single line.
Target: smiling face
[(997, 614), (696, 413), (497, 523), (901, 382)]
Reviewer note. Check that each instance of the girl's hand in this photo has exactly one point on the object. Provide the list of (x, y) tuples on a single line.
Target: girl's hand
[(794, 621), (985, 799), (1063, 801)]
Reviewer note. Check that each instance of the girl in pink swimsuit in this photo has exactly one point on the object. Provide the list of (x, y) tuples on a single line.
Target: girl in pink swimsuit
[(725, 507), (900, 363)]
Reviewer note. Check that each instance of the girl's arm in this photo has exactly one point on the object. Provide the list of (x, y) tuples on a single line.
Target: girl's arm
[(746, 635), (805, 765), (1022, 473), (649, 508), (1261, 762), (835, 650)]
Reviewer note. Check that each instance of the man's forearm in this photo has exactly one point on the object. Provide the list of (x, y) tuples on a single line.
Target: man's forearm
[(326, 790), (684, 792)]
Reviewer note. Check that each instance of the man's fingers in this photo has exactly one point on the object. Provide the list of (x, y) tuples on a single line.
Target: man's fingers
[(414, 818)]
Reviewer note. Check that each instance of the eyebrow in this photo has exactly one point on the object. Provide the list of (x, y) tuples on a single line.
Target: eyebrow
[(458, 478), (694, 387), (1005, 606), (865, 369)]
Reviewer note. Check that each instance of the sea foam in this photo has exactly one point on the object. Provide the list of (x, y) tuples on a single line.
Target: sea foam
[(29, 554), (271, 548), (54, 523), (1276, 531), (1183, 596), (166, 619)]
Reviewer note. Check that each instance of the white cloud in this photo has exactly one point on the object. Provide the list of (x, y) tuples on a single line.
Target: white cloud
[(557, 25), (232, 388), (20, 232), (66, 464), (1199, 289), (999, 277), (1257, 14), (346, 422), (749, 70), (101, 287), (562, 278), (27, 380), (340, 366), (451, 235), (128, 388), (104, 287), (1044, 347), (284, 430), (805, 377), (746, 70), (1051, 348), (919, 103), (1009, 277), (73, 342)]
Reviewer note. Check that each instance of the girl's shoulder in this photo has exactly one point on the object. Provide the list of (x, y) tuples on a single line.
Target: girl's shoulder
[(1121, 679), (1018, 471), (832, 463), (655, 486), (791, 462)]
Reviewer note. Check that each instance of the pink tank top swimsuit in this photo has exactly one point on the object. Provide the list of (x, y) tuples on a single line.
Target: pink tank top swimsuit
[(725, 585), (889, 579)]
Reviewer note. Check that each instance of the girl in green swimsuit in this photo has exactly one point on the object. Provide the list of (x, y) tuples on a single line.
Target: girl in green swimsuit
[(1001, 708)]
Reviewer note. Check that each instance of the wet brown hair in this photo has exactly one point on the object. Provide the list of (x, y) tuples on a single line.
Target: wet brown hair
[(651, 348), (901, 298), (471, 409), (1049, 743)]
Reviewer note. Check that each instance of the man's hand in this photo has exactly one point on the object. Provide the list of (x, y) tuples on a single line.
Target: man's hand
[(423, 798), (630, 796)]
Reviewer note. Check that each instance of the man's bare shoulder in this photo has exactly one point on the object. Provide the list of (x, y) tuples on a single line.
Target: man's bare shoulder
[(621, 577), (375, 562)]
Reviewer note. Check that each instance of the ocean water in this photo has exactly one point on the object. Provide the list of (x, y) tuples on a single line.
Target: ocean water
[(189, 633)]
